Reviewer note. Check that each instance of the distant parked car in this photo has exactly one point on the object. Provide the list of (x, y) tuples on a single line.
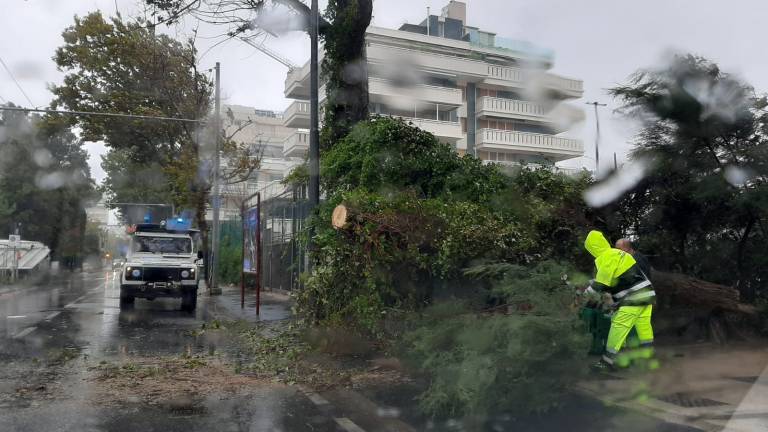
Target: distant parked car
[(117, 264)]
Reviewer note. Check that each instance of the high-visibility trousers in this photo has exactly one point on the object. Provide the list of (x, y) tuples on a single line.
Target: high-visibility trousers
[(622, 322)]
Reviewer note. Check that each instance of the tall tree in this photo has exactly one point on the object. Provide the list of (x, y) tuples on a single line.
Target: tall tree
[(704, 199), (344, 66), (117, 66), (45, 183)]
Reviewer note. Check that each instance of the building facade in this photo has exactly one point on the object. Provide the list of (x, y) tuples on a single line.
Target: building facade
[(485, 95), (265, 132)]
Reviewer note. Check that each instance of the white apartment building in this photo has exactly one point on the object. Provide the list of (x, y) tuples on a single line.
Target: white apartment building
[(265, 131), (485, 95)]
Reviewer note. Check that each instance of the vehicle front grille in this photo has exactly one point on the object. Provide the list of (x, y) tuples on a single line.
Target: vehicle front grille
[(161, 274)]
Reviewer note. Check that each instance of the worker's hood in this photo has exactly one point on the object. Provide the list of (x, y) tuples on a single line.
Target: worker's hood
[(596, 244), (611, 263)]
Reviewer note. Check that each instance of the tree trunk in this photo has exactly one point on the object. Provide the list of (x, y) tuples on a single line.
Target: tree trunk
[(688, 291), (202, 225)]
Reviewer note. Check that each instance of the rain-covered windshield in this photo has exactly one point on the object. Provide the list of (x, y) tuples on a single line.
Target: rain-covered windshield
[(171, 245), (392, 215)]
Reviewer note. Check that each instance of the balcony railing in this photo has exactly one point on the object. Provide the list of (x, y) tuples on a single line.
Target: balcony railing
[(553, 168), (529, 142), (296, 144), (297, 115), (511, 106), (521, 77), (441, 129), (382, 88)]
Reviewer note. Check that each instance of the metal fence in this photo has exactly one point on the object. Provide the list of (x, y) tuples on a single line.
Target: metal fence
[(283, 219)]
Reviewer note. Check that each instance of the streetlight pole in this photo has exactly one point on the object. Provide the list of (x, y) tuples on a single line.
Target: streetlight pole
[(597, 137), (214, 288), (314, 112), (314, 120)]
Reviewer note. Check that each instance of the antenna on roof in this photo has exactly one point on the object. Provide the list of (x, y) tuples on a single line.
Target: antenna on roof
[(427, 20)]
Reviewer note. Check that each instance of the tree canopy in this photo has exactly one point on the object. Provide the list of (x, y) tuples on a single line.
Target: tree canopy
[(703, 200), (45, 183), (118, 66)]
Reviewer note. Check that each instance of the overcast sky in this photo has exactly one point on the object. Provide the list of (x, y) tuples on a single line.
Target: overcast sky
[(599, 41)]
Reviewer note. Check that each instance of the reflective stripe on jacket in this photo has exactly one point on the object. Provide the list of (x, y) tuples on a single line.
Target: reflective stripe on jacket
[(618, 273)]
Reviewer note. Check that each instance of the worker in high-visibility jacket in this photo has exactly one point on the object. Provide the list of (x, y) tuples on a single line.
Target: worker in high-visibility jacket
[(633, 299)]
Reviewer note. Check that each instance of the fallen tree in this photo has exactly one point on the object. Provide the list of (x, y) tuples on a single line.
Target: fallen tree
[(691, 308), (685, 290)]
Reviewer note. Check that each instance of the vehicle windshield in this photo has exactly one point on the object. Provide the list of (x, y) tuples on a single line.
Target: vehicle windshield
[(169, 245), (383, 215)]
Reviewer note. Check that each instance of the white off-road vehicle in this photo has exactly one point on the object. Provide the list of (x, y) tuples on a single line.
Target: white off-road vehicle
[(160, 263)]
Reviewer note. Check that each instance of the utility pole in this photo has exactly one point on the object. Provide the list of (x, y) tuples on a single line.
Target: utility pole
[(314, 113), (214, 288), (597, 137)]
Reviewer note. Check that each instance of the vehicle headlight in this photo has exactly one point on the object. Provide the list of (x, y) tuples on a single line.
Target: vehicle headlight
[(185, 273), (135, 273)]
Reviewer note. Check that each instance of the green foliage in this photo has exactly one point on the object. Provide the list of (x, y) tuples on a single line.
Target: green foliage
[(519, 362), (118, 66), (45, 184), (387, 155), (419, 215), (345, 68), (703, 202)]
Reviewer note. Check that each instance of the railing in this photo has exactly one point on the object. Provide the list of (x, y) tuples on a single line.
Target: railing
[(437, 127), (296, 111), (505, 73), (526, 139), (421, 92), (518, 75), (553, 168), (297, 107), (297, 142), (511, 106), (560, 82)]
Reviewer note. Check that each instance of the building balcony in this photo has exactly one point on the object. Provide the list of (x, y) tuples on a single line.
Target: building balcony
[(505, 76), (297, 115), (554, 168), (382, 90), (560, 118), (553, 147), (297, 83), (511, 108), (445, 131), (427, 62), (297, 144)]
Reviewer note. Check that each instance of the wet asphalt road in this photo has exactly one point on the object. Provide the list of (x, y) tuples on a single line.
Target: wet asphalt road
[(80, 314)]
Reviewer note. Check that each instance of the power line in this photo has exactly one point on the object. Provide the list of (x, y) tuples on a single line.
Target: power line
[(7, 69), (131, 116)]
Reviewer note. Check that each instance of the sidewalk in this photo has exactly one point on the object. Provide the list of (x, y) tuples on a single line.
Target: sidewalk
[(706, 386)]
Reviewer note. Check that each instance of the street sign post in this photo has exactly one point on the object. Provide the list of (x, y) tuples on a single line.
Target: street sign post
[(251, 248)]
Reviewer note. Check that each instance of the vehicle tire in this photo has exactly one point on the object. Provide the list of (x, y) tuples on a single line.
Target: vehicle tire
[(189, 301), (125, 299)]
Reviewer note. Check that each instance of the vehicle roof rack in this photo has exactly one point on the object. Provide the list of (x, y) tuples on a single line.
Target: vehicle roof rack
[(157, 228)]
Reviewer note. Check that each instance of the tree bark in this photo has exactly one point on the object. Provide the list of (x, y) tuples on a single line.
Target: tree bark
[(689, 291)]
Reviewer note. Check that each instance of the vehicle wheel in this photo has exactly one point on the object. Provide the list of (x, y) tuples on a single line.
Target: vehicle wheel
[(189, 301), (125, 299)]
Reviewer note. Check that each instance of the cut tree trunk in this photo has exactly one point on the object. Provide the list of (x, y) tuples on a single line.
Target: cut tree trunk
[(691, 307), (689, 291)]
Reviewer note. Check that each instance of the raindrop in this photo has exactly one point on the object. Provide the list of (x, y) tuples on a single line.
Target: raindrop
[(736, 176), (389, 412), (616, 185), (42, 158), (52, 180)]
